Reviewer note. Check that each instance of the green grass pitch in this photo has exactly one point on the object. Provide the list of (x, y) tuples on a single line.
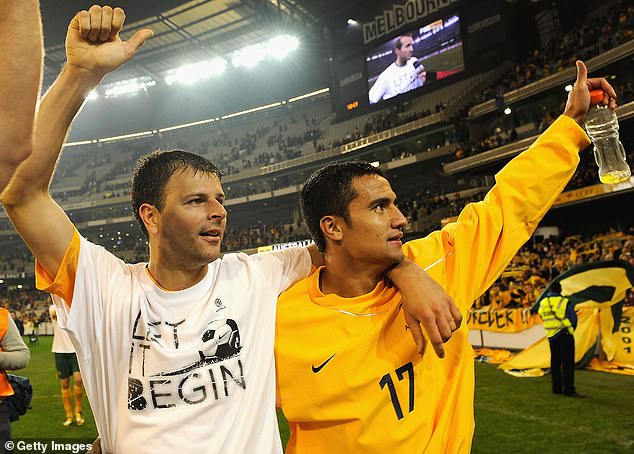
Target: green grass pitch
[(44, 420), (517, 415)]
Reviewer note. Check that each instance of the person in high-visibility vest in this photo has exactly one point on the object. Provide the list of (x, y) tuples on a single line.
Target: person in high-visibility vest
[(560, 321), (14, 354)]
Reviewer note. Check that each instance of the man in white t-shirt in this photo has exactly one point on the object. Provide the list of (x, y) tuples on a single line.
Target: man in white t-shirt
[(67, 366), (175, 354), (405, 74)]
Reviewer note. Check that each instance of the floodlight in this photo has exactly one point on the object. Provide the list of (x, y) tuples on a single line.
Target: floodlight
[(129, 86), (124, 88), (280, 46), (249, 56), (193, 72)]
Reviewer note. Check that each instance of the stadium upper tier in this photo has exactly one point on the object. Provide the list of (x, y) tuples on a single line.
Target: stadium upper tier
[(291, 132), (100, 193), (605, 36), (242, 146)]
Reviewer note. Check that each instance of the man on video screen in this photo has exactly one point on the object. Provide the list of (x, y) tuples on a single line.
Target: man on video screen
[(405, 74)]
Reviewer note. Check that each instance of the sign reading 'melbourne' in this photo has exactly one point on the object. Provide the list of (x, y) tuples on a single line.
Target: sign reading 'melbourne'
[(399, 15)]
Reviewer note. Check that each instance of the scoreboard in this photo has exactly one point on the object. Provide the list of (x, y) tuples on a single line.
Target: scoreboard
[(451, 39)]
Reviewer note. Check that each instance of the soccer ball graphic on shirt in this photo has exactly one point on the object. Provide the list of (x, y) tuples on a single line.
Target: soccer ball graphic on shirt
[(221, 340)]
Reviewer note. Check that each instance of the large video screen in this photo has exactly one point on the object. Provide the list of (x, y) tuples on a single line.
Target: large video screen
[(415, 59)]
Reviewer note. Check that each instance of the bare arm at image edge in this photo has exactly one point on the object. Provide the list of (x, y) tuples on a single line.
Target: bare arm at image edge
[(20, 79)]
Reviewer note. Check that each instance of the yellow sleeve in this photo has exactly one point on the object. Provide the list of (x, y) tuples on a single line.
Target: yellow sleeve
[(64, 283), (487, 234)]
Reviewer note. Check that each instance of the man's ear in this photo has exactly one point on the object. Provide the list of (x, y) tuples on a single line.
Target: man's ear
[(331, 228), (150, 216)]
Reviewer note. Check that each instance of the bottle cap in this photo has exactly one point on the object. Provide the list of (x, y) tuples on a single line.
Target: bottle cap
[(596, 96)]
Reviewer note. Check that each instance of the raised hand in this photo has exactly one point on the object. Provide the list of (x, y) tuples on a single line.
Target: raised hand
[(93, 44), (579, 98)]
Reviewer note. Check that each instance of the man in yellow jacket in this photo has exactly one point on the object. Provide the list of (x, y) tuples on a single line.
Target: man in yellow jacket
[(349, 378), (560, 321)]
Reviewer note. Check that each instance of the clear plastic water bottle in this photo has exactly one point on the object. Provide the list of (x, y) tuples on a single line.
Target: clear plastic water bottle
[(603, 128)]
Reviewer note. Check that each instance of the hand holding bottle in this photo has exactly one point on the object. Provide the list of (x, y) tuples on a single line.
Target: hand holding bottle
[(603, 128)]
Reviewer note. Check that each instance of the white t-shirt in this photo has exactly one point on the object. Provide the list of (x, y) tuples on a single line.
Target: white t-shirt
[(61, 340), (189, 371), (395, 80)]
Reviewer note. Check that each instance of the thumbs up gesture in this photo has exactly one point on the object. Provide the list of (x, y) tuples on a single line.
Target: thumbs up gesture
[(93, 44), (579, 98)]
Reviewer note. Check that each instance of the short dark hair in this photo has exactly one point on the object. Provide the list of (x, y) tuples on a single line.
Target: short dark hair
[(328, 192), (153, 171), (398, 43), (555, 287)]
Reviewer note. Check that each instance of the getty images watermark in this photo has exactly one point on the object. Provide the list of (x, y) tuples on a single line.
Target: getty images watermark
[(59, 446)]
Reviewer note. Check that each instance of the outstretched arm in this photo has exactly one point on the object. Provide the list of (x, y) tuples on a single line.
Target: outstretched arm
[(20, 78), (488, 234), (92, 51), (424, 301)]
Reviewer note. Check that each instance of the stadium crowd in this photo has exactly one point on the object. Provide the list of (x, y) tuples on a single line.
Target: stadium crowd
[(614, 26), (30, 305), (541, 260), (386, 119), (531, 120)]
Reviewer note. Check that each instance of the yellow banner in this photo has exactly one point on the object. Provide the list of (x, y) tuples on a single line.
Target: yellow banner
[(538, 354), (618, 346), (589, 192), (502, 320)]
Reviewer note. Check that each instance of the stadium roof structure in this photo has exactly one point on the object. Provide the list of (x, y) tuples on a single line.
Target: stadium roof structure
[(188, 32)]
